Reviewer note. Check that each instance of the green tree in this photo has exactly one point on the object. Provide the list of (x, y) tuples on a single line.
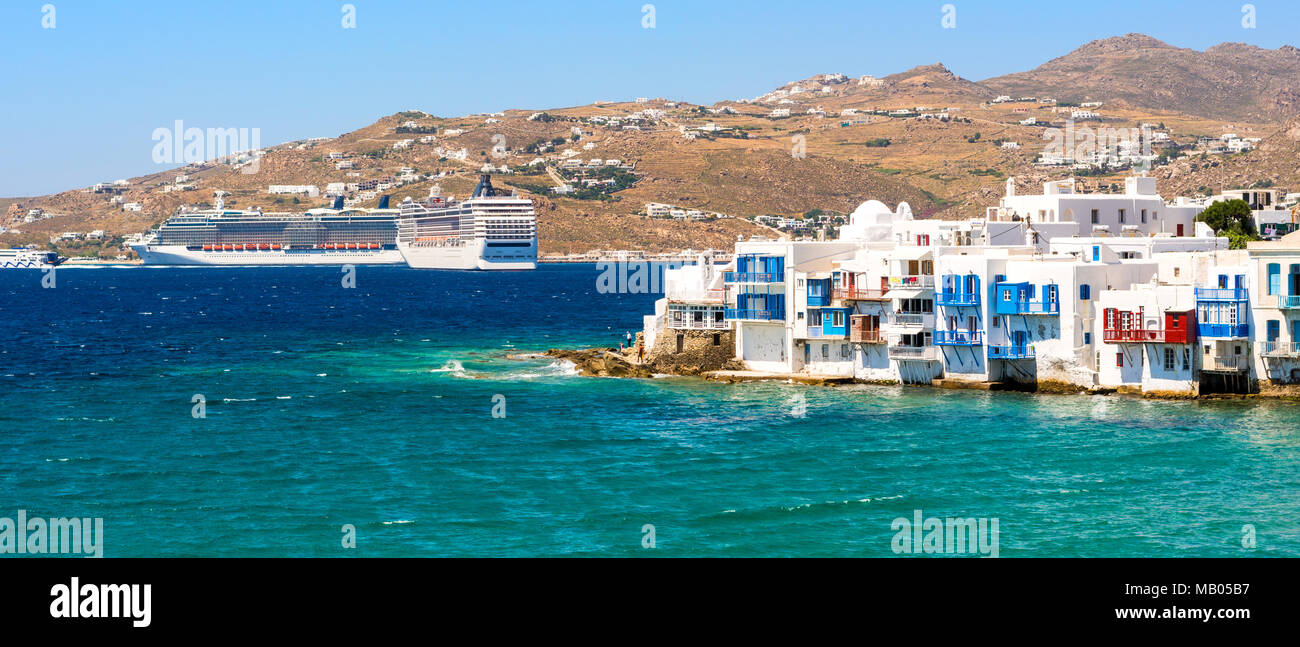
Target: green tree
[(1233, 220)]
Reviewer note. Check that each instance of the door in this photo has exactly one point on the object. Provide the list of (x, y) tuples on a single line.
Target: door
[(1019, 339), (807, 353), (1180, 229)]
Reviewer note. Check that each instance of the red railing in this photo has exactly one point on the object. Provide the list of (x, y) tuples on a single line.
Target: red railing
[(1145, 336), (859, 294)]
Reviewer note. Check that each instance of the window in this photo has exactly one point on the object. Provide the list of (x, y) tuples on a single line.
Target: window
[(997, 322), (844, 351), (1096, 252), (717, 339), (1274, 278), (1087, 338), (837, 318), (1121, 216), (1085, 292), (1274, 330), (1144, 216), (1187, 359), (1119, 360), (1177, 271), (1006, 295), (826, 351), (1096, 217), (1169, 359)]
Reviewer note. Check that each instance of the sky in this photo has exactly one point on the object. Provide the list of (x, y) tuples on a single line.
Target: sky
[(86, 82)]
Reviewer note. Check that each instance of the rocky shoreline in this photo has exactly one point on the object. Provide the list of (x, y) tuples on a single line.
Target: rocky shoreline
[(609, 362)]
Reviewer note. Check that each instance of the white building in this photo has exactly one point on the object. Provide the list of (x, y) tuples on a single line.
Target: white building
[(308, 190)]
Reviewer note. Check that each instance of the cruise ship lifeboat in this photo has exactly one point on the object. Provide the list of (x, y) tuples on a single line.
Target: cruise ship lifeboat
[(228, 248), (207, 248), (275, 247), (264, 246)]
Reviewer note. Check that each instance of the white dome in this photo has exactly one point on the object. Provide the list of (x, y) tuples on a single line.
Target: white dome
[(871, 212)]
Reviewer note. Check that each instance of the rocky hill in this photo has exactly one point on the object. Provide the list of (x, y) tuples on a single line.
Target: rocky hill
[(1231, 81), (829, 142)]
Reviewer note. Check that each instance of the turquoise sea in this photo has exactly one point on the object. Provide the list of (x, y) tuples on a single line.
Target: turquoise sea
[(373, 407)]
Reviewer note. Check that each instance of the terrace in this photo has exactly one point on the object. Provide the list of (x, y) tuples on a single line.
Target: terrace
[(754, 314), (1011, 352), (917, 353), (1280, 349), (958, 338), (860, 294)]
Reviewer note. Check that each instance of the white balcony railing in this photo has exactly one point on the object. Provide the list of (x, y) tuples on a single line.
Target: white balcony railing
[(921, 353), (705, 324), (1281, 349)]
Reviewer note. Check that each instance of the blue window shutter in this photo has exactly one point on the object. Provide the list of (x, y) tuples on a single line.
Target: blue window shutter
[(1274, 278), (1096, 252), (1274, 330)]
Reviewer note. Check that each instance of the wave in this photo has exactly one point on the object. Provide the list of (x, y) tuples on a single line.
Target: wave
[(454, 367), (557, 368)]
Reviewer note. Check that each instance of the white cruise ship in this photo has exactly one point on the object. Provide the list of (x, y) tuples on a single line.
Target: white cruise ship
[(22, 258), (488, 231), (229, 237)]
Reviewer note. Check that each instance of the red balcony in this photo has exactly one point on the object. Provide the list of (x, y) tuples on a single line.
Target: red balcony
[(1126, 327), (1146, 336)]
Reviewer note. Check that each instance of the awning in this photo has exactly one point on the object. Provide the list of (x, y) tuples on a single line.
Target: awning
[(909, 293), (910, 253)]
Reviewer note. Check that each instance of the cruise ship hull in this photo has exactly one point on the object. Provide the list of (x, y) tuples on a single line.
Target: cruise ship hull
[(473, 255), (181, 255)]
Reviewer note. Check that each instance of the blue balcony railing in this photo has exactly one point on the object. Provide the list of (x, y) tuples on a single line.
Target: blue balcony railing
[(1011, 352), (753, 277), (751, 314), (1226, 331), (958, 337), (1289, 302), (1036, 307), (1222, 294), (957, 299)]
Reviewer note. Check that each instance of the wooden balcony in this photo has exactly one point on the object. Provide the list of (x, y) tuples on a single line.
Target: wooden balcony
[(858, 336), (859, 294)]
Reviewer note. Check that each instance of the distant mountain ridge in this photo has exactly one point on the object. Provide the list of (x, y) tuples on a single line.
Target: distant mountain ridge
[(1230, 81)]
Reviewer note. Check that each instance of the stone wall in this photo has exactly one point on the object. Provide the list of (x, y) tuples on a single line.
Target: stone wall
[(699, 352)]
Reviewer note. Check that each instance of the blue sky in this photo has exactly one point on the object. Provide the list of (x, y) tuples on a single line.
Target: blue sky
[(82, 100)]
